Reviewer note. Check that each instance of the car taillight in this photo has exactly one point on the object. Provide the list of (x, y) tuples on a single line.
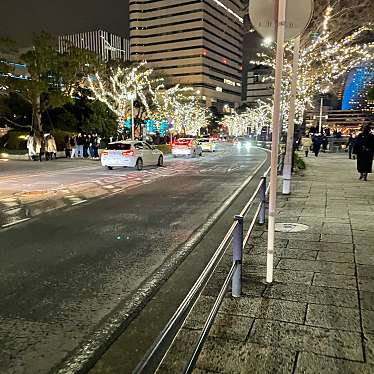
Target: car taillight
[(104, 153), (189, 144), (128, 153), (173, 145)]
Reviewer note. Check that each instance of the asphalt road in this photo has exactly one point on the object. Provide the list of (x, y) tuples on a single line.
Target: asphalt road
[(64, 271)]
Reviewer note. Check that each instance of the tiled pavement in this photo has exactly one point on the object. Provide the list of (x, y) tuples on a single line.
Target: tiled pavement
[(318, 315)]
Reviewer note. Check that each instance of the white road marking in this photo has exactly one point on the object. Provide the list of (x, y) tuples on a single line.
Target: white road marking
[(15, 222), (79, 202)]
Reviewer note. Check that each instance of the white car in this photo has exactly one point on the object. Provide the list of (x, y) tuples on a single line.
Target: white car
[(131, 154), (186, 147), (207, 144)]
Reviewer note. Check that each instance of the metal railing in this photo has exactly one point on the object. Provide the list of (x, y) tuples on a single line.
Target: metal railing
[(234, 235)]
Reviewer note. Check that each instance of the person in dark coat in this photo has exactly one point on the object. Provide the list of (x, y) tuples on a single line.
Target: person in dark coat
[(364, 149), (317, 142)]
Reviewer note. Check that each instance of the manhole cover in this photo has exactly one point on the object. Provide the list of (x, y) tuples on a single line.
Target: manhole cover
[(290, 227)]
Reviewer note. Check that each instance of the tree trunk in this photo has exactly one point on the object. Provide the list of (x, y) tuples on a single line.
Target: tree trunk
[(37, 114)]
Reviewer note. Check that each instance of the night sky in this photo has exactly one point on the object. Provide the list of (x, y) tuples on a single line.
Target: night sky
[(20, 18)]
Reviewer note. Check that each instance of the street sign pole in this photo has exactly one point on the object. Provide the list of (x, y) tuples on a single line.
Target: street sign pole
[(287, 168), (275, 138)]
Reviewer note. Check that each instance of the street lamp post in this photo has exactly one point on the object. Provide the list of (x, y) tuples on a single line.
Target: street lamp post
[(321, 116)]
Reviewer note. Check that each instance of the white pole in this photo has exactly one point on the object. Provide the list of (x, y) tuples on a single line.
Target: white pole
[(320, 116), (132, 119), (275, 138), (287, 168)]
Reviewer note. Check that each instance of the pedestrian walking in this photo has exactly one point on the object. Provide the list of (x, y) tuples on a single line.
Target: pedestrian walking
[(31, 146), (325, 143), (306, 143), (95, 145), (86, 145), (38, 147), (73, 144), (80, 142), (42, 147), (51, 147), (317, 142), (91, 146), (67, 146), (350, 145), (364, 149)]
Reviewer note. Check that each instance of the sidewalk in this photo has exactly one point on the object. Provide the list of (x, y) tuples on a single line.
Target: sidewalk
[(318, 315)]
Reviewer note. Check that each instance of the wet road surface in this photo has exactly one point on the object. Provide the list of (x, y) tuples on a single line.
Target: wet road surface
[(63, 272)]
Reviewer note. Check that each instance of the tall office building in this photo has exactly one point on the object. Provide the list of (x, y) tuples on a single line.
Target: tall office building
[(106, 45), (196, 43), (259, 86)]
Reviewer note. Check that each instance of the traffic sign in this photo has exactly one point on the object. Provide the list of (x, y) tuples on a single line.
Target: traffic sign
[(263, 16)]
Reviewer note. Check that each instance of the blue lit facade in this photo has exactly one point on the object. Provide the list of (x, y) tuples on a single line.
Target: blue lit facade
[(358, 82)]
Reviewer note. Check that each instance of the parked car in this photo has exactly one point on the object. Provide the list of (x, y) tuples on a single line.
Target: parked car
[(207, 144), (186, 147), (131, 154)]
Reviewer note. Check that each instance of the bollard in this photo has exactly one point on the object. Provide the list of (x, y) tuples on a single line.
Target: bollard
[(237, 255), (261, 216)]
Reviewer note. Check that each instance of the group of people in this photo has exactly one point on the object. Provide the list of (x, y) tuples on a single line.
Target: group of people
[(82, 146), (39, 145), (314, 143), (360, 147)]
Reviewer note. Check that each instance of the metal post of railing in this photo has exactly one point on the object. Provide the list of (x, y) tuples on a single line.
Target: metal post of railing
[(261, 216), (237, 255)]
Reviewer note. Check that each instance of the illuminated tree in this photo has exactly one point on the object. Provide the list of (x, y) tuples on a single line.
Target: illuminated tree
[(324, 61), (252, 118)]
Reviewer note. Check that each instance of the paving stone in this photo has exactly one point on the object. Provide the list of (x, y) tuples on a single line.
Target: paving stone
[(366, 284), (338, 230), (313, 294), (280, 276), (281, 243), (261, 260), (369, 348), (336, 343), (362, 240), (317, 266), (265, 308), (367, 300), (368, 321), (309, 363), (310, 237), (330, 238), (334, 280), (365, 271), (320, 246), (335, 256), (230, 357), (297, 253), (336, 220), (333, 317), (179, 353), (365, 259)]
